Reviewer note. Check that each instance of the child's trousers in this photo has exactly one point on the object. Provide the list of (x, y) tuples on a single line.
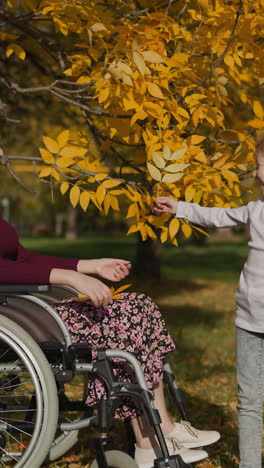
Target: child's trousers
[(250, 378)]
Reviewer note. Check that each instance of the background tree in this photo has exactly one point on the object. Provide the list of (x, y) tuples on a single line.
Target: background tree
[(161, 97)]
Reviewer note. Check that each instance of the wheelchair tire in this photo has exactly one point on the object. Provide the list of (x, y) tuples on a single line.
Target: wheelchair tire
[(117, 459), (27, 386), (65, 440)]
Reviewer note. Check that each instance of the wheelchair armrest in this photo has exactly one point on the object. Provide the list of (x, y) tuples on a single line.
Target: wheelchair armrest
[(23, 288)]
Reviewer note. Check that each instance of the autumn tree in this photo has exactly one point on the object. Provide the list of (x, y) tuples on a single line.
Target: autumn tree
[(166, 95)]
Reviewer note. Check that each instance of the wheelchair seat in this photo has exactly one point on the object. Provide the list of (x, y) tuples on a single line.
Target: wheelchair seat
[(35, 320)]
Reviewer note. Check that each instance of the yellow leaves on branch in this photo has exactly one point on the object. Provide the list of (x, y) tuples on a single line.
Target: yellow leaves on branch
[(175, 170), (174, 86), (17, 50)]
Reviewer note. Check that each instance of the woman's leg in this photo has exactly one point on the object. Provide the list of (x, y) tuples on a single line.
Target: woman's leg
[(250, 377), (144, 435)]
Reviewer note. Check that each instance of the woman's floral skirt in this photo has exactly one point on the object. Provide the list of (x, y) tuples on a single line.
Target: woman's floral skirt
[(134, 324)]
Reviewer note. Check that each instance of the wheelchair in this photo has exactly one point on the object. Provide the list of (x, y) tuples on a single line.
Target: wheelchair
[(43, 379)]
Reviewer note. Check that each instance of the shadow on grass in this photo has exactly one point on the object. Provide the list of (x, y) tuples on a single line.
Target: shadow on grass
[(203, 415)]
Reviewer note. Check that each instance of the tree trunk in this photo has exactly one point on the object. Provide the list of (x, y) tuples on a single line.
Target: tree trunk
[(59, 218), (71, 223), (147, 262)]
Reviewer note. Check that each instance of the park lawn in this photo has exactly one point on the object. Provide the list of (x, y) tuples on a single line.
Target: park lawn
[(195, 295)]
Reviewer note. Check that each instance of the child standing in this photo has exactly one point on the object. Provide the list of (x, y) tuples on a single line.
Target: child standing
[(250, 309)]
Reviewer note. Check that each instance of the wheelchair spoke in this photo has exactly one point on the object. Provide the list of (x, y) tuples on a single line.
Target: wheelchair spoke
[(15, 428)]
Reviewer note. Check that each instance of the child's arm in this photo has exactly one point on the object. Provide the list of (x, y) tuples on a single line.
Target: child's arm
[(217, 217)]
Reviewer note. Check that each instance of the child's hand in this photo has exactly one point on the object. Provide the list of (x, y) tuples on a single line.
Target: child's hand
[(166, 205)]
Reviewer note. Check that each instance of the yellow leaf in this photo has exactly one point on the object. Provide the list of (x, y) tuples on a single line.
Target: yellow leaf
[(171, 178), (187, 230), (64, 187), (150, 232), (189, 193), (178, 154), (141, 115), (152, 57), (197, 115), (112, 183), (166, 152), (73, 151), (164, 235), (256, 123), (65, 162), (63, 137), (143, 232), (46, 171), (74, 195), (176, 167), (229, 61), (197, 196), (83, 79), (200, 230), (183, 112), (132, 210), (94, 200), (154, 172), (84, 200), (119, 290), (154, 90), (117, 192), (107, 203), (96, 27), (100, 177), (51, 144), (61, 26), (114, 203), (195, 139), (139, 62), (103, 95), (46, 156), (133, 229), (153, 109), (100, 194), (229, 175), (17, 50), (174, 227), (158, 160), (220, 161), (55, 174)]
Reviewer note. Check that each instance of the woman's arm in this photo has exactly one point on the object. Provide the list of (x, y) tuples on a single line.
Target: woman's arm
[(113, 269), (217, 217), (98, 292)]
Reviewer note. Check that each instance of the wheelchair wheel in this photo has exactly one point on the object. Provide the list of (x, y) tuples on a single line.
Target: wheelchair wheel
[(117, 459), (28, 399), (76, 391)]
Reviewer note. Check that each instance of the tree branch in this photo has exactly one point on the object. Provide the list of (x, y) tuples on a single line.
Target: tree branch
[(222, 56)]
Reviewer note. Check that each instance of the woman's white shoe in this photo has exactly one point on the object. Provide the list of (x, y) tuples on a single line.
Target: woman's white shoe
[(189, 437), (145, 457)]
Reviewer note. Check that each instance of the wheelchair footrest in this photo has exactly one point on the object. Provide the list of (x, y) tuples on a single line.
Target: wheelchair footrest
[(174, 461)]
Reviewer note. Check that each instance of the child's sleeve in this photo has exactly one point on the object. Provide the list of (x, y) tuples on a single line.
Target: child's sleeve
[(216, 217)]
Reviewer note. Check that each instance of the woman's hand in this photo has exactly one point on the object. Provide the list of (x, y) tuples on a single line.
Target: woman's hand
[(98, 292), (112, 269), (166, 205)]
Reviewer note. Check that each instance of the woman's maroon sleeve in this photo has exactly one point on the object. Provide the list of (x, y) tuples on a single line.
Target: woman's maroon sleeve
[(12, 271), (32, 268), (24, 255)]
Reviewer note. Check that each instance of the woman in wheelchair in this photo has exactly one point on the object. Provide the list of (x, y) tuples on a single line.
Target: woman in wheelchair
[(132, 323)]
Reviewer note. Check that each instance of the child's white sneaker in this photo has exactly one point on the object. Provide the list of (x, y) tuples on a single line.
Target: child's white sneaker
[(145, 457), (189, 437)]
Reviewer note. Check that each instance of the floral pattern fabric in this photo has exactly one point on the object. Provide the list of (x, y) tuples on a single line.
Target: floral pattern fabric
[(132, 323)]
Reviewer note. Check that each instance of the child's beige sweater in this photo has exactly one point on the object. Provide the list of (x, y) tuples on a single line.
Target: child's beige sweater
[(250, 293)]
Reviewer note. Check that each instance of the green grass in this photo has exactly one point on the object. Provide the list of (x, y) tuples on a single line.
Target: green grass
[(195, 295)]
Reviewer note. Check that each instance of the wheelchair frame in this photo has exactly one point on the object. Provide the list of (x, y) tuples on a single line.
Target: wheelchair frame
[(69, 355)]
